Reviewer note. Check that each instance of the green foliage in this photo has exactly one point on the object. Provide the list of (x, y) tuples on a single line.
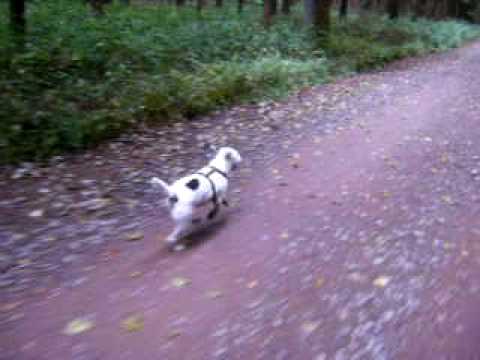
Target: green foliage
[(369, 42), (82, 78)]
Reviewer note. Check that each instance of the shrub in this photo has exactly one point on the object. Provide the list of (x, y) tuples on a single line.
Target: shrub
[(82, 78)]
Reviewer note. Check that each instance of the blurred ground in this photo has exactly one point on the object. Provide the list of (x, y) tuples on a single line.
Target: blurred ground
[(354, 232)]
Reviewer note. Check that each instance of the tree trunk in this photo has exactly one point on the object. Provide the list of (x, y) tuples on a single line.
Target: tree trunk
[(452, 8), (269, 9), (240, 6), (285, 7), (200, 5), (393, 9), (125, 2), (343, 9), (218, 3), (98, 6), (421, 8), (366, 4), (274, 7), (180, 2), (317, 13), (18, 23)]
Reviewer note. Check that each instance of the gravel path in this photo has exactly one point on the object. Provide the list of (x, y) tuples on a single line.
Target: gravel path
[(354, 232)]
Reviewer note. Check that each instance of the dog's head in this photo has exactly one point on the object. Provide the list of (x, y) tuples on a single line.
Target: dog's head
[(230, 156)]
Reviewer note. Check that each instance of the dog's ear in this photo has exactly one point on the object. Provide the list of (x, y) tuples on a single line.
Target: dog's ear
[(210, 149)]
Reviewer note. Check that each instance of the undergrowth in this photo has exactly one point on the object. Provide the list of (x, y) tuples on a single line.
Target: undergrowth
[(82, 78)]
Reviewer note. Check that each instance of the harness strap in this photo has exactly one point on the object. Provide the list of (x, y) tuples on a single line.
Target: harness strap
[(212, 185), (213, 170)]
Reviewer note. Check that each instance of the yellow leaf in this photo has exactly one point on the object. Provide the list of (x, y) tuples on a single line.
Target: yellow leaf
[(381, 281), (284, 235), (310, 326), (447, 199), (135, 274), (252, 284), (180, 282), (138, 235), (320, 282), (133, 323), (78, 326)]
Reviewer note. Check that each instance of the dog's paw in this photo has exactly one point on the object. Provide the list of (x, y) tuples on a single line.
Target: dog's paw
[(179, 247), (171, 240)]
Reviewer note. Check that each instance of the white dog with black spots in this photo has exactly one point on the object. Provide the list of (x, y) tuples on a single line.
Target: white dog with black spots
[(207, 187)]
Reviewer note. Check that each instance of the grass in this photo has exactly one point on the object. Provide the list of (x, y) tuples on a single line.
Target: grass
[(81, 79)]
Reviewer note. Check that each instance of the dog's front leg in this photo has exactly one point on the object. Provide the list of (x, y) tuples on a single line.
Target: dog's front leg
[(181, 230)]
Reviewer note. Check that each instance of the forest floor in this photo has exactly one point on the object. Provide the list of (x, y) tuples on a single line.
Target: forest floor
[(354, 232)]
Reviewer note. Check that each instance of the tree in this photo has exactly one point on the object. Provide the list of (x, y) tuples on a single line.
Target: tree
[(285, 7), (393, 8), (18, 23), (421, 8), (218, 3), (240, 6), (269, 9), (452, 8), (97, 6), (317, 13), (366, 4), (343, 8)]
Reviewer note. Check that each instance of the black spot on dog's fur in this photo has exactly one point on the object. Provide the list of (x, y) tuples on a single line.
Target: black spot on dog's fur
[(173, 199), (225, 203), (193, 184), (196, 221)]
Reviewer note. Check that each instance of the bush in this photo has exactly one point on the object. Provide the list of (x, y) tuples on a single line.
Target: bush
[(82, 78)]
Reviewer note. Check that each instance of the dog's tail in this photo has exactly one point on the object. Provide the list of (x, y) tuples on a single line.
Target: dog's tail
[(166, 189), (172, 197)]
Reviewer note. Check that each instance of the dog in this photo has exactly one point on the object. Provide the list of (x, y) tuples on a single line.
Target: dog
[(205, 188)]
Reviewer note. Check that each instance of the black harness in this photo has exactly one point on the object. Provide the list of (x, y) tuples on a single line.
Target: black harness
[(207, 175)]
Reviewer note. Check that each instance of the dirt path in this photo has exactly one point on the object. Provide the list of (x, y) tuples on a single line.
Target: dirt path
[(357, 237)]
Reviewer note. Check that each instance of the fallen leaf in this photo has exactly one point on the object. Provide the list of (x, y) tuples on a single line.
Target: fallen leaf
[(357, 277), (180, 282), (133, 323), (10, 306), (36, 213), (319, 282), (284, 235), (310, 326), (134, 236), (135, 274), (381, 281), (447, 199), (175, 333), (252, 284), (24, 262), (78, 326), (386, 194), (214, 294)]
